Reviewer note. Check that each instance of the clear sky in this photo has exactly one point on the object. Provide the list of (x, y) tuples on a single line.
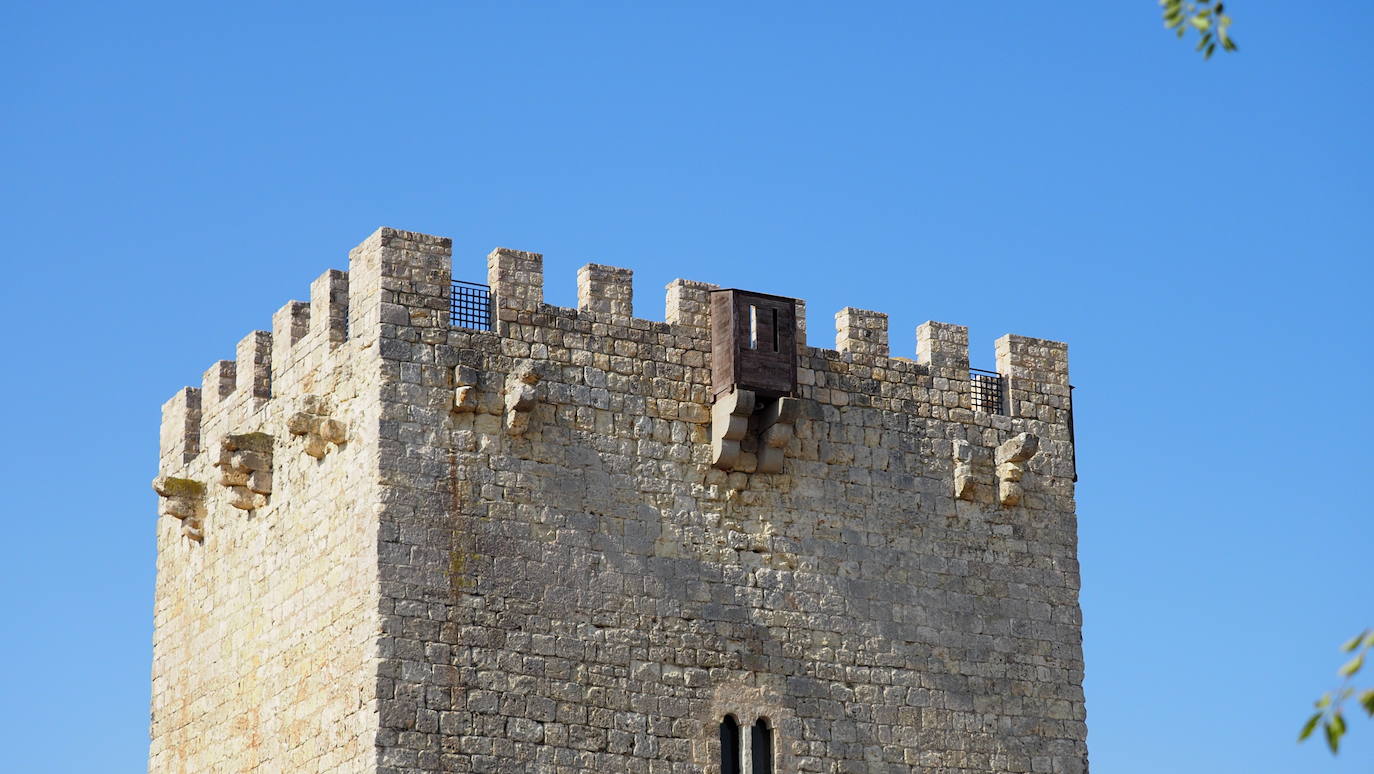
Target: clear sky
[(1199, 232)]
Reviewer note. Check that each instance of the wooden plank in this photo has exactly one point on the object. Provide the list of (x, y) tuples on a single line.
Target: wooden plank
[(723, 342)]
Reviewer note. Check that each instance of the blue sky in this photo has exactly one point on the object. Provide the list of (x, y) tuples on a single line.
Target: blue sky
[(1200, 233)]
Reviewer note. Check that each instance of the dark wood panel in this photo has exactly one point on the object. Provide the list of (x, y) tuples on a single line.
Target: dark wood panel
[(753, 342)]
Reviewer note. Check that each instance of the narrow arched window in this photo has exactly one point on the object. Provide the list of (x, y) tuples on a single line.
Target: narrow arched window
[(761, 747), (729, 746)]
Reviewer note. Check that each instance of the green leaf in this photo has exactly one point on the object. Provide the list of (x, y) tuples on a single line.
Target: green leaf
[(1369, 639), (1309, 726), (1324, 701), (1367, 701), (1352, 666), (1201, 22), (1333, 738), (1354, 642), (1211, 49)]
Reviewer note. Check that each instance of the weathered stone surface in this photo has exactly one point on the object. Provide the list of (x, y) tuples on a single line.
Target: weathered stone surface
[(861, 331), (521, 397), (300, 423), (333, 431), (1011, 458), (169, 486), (245, 468), (594, 593), (605, 290), (183, 499), (465, 395), (1018, 449), (776, 422), (318, 430), (729, 422)]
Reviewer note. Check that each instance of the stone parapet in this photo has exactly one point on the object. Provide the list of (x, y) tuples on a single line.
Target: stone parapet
[(1037, 377), (861, 331), (180, 433), (605, 290), (517, 282)]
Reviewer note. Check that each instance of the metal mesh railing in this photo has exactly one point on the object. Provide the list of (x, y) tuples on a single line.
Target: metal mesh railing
[(986, 391), (469, 305)]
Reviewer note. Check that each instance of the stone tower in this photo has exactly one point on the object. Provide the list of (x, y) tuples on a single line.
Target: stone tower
[(583, 541)]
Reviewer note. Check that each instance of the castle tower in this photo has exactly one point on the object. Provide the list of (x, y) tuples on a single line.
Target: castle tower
[(576, 540)]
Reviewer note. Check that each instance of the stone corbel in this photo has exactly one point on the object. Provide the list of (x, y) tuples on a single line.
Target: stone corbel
[(1011, 458), (245, 467), (465, 380), (779, 417), (521, 398), (183, 499), (314, 424), (729, 422), (965, 482)]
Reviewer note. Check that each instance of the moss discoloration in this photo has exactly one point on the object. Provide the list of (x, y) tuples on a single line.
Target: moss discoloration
[(171, 486), (258, 442)]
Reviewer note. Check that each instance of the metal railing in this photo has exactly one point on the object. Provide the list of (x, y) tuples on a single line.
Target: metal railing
[(469, 305), (1073, 442), (986, 391)]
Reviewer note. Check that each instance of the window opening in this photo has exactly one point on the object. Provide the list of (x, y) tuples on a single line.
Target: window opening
[(761, 747), (729, 746), (753, 327)]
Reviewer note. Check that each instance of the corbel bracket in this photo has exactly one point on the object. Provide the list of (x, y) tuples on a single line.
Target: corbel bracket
[(729, 423), (245, 467), (1011, 458), (521, 398), (778, 420), (183, 499), (314, 424)]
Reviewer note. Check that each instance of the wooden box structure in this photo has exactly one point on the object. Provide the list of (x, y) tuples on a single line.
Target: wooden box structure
[(753, 343)]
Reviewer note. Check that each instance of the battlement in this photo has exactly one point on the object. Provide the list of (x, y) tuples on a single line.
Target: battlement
[(306, 337), (398, 299), (404, 278), (410, 495), (517, 285)]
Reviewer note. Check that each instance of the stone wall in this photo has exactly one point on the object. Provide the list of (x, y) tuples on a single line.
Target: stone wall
[(570, 586), (265, 620), (523, 560)]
